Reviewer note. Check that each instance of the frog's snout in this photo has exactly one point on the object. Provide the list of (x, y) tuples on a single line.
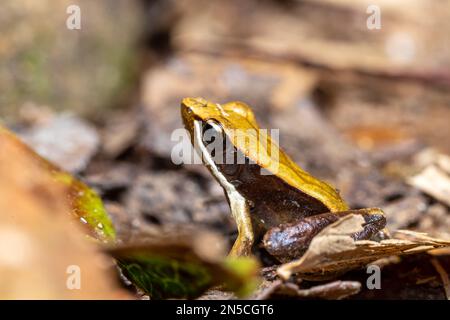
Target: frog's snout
[(186, 110)]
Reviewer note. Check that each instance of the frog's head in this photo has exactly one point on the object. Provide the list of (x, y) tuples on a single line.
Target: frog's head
[(212, 122), (232, 115), (236, 122)]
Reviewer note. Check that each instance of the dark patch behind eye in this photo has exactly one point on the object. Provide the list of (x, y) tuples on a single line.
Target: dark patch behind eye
[(212, 136)]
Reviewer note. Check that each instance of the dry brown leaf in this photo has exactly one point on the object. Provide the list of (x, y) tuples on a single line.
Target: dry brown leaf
[(333, 251), (40, 245)]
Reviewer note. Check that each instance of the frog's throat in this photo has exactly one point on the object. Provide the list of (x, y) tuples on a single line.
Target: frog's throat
[(233, 195)]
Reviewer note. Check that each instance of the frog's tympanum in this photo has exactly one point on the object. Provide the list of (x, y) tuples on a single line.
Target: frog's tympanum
[(287, 197)]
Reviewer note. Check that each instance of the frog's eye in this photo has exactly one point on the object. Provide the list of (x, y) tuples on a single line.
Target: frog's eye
[(212, 133), (211, 127), (214, 139)]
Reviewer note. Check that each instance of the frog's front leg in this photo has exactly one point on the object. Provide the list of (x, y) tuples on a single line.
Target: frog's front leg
[(241, 214), (290, 241)]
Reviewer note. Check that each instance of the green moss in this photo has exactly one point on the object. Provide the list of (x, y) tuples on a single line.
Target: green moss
[(175, 271), (163, 277), (87, 205)]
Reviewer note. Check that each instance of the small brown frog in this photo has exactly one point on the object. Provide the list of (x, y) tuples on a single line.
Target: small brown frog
[(266, 190)]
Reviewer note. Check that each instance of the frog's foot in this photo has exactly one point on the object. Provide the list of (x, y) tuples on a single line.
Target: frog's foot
[(374, 226), (290, 241)]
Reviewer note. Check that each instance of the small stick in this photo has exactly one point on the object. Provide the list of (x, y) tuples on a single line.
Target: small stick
[(444, 276)]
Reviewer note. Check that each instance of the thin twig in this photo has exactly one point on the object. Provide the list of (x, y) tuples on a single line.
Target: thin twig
[(444, 276)]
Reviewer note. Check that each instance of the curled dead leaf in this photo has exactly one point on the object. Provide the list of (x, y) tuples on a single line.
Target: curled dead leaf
[(333, 251)]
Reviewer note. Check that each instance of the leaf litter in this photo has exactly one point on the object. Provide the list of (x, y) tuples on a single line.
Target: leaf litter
[(333, 251)]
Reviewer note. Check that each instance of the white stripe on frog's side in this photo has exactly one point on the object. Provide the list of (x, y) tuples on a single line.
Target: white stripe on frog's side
[(209, 162), (238, 204)]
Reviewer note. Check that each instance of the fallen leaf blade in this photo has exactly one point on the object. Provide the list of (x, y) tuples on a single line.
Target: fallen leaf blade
[(324, 259)]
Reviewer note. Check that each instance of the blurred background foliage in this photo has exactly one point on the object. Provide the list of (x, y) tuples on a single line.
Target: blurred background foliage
[(365, 109), (267, 53), (45, 63)]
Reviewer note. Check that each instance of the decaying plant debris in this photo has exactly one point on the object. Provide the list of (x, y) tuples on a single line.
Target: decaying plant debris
[(180, 263), (334, 251), (350, 110), (39, 242), (183, 264)]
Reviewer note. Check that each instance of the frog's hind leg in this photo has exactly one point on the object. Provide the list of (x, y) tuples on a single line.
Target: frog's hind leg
[(241, 213), (290, 241)]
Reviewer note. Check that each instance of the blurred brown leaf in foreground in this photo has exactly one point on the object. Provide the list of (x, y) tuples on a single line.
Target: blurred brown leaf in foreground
[(41, 249)]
